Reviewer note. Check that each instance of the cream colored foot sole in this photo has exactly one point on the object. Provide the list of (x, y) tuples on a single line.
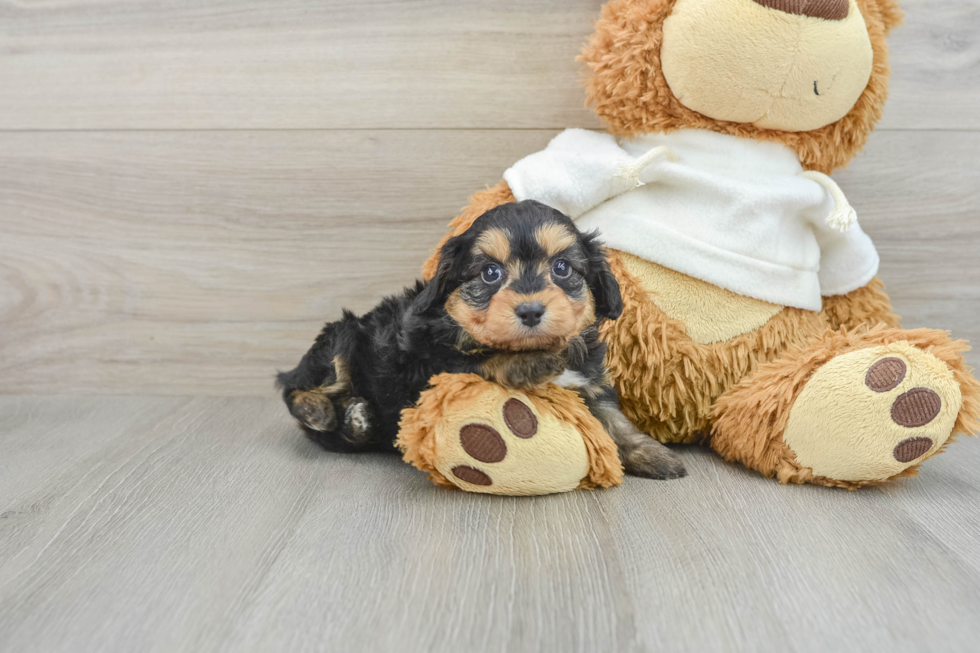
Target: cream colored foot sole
[(502, 445), (480, 437), (871, 414)]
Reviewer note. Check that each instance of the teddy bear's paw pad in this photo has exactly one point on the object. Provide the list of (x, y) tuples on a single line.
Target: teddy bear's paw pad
[(520, 419), (912, 409), (886, 374), (870, 414), (502, 445), (908, 450), (917, 407), (471, 475), (482, 443)]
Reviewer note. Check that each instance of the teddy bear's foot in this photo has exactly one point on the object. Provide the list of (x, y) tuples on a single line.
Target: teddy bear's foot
[(850, 410), (871, 414), (480, 437)]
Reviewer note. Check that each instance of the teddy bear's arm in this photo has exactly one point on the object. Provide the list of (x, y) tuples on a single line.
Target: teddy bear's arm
[(480, 202), (865, 306)]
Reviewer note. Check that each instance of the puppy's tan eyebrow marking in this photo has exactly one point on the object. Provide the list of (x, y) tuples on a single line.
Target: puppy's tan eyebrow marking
[(554, 238), (513, 272), (495, 243)]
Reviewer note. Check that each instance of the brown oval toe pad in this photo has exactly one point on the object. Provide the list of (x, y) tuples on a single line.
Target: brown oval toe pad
[(886, 374), (520, 419), (917, 407), (471, 475), (909, 450), (483, 443)]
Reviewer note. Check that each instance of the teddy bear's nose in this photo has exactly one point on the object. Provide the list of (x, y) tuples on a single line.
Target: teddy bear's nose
[(828, 9)]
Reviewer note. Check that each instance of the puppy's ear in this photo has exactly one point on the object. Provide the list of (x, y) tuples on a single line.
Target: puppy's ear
[(602, 282), (448, 273)]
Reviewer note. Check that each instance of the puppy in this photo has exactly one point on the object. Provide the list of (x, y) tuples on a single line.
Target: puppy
[(517, 299)]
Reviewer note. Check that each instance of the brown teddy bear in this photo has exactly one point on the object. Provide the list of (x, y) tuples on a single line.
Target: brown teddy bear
[(754, 321)]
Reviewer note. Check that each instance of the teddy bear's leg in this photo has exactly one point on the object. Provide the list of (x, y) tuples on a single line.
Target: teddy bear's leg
[(478, 436), (850, 409)]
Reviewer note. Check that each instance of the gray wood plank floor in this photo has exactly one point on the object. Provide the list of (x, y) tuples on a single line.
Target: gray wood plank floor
[(211, 524)]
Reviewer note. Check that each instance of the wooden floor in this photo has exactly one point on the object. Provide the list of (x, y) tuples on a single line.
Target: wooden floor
[(211, 524), (188, 190)]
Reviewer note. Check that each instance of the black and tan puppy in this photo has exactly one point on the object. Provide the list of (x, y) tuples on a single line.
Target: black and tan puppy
[(517, 299)]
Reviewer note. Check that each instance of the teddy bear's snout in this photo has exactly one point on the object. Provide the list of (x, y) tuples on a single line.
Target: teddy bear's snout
[(827, 9)]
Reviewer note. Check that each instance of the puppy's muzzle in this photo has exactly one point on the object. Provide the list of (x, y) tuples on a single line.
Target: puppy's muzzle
[(530, 313)]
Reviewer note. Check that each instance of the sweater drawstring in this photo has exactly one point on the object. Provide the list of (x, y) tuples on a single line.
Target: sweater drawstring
[(843, 215), (630, 172)]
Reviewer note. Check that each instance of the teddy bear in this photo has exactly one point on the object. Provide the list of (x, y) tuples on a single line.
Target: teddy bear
[(754, 322)]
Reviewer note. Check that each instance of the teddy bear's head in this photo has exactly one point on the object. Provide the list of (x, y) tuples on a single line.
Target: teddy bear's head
[(812, 74)]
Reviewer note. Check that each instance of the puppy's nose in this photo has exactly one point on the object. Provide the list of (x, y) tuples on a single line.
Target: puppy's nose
[(827, 9), (530, 313)]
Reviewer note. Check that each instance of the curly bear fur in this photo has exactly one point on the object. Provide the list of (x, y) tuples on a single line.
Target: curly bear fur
[(626, 86)]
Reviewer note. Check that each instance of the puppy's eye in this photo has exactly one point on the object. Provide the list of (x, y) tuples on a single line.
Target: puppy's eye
[(491, 274), (561, 269)]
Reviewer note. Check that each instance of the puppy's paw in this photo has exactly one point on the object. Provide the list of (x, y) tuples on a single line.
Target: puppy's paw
[(357, 420), (529, 370), (313, 409), (540, 368), (650, 459)]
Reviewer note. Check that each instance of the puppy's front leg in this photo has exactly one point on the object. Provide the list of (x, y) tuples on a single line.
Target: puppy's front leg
[(641, 455), (524, 370)]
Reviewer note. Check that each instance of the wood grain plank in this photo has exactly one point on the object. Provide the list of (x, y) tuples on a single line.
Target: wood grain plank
[(136, 550), (303, 64), (442, 571), (799, 568), (177, 263), (219, 527), (293, 64), (935, 59), (925, 221), (943, 501), (166, 548)]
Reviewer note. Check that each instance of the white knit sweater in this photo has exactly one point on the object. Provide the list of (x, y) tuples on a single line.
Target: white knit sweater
[(734, 212)]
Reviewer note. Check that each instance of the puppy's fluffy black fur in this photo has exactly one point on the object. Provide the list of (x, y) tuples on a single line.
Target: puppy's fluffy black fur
[(349, 389)]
